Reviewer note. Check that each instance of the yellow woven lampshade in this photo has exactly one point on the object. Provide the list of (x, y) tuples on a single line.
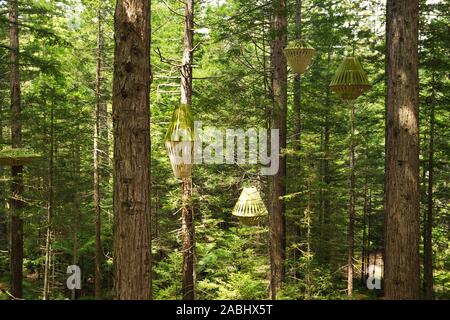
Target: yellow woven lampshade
[(299, 56), (350, 80), (180, 141), (250, 208)]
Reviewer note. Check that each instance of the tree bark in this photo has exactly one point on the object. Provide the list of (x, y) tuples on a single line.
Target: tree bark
[(351, 215), (48, 237), (296, 82), (3, 216), (307, 221), (16, 229), (76, 200), (402, 280), (296, 146), (364, 236), (369, 230), (188, 241), (279, 115), (103, 94), (96, 159), (188, 54), (187, 211), (131, 122), (326, 251), (428, 225)]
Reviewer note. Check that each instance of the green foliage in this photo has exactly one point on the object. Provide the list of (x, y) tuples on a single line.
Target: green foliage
[(18, 153), (312, 280)]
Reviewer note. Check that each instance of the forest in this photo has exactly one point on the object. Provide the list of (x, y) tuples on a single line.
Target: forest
[(224, 150)]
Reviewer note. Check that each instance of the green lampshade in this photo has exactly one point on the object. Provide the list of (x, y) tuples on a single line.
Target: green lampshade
[(17, 156), (350, 80), (180, 141), (250, 208), (299, 55), (181, 127)]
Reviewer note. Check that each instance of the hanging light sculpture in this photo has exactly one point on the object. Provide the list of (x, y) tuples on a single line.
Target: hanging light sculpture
[(299, 56), (17, 156), (250, 208), (180, 141), (350, 80)]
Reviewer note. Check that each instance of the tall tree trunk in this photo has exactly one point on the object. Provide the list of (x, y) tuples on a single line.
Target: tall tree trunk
[(307, 220), (186, 65), (98, 102), (327, 182), (369, 230), (76, 200), (53, 266), (48, 236), (296, 82), (364, 235), (73, 294), (103, 94), (351, 214), (296, 146), (131, 119), (187, 212), (402, 280), (188, 241), (428, 225), (325, 173), (279, 115), (3, 216), (16, 229)]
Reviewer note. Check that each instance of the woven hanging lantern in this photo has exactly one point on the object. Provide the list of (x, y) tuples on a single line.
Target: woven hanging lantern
[(250, 208), (180, 141), (350, 80), (17, 156), (299, 56)]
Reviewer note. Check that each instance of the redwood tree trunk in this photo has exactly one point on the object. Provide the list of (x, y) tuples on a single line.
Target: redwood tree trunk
[(48, 236), (402, 280), (326, 234), (16, 229), (186, 65), (3, 215), (98, 245), (364, 236), (187, 212), (296, 82), (188, 241), (279, 114), (296, 145), (351, 211), (131, 119), (76, 200)]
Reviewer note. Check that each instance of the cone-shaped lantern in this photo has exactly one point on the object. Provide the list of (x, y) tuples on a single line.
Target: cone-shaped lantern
[(180, 141), (350, 80), (299, 56), (17, 156), (250, 208)]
